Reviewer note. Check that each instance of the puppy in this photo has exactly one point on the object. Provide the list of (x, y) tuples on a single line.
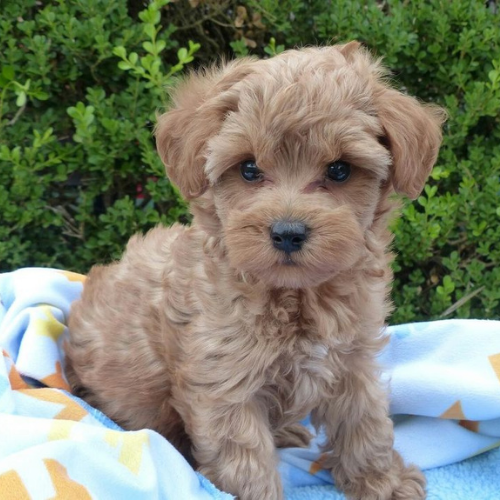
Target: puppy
[(222, 336)]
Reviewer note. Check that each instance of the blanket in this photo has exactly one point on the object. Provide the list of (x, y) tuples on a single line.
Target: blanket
[(444, 381)]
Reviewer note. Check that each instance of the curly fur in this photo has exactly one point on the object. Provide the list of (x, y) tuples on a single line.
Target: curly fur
[(208, 334)]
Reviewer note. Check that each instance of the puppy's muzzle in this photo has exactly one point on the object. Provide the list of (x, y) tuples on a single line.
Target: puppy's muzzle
[(288, 236)]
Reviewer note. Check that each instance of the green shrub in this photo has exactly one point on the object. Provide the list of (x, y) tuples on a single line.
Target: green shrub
[(81, 81)]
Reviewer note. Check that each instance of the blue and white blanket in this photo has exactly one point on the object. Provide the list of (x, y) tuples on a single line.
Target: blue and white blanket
[(444, 380)]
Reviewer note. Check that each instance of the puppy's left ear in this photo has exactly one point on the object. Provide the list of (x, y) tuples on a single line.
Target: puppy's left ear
[(413, 136)]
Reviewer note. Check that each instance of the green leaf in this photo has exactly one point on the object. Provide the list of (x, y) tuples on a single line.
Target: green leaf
[(150, 31), (4, 153), (47, 134), (15, 154), (422, 200), (120, 52), (8, 72), (434, 48), (193, 47), (239, 48), (182, 54), (149, 47), (176, 68), (145, 16), (160, 46), (155, 67), (146, 61), (41, 96), (430, 190), (21, 99), (124, 65), (448, 284)]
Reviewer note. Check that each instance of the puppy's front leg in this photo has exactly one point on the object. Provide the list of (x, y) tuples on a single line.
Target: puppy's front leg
[(360, 439), (234, 448)]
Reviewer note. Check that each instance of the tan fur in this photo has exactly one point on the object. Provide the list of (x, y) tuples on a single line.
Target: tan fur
[(206, 334)]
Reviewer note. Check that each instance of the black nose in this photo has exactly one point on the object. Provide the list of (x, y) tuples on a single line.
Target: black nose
[(288, 236)]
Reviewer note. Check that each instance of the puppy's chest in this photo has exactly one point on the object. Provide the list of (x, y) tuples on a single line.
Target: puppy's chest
[(307, 360), (302, 335), (298, 380)]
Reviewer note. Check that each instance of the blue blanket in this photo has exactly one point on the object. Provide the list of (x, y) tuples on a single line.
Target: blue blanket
[(444, 380)]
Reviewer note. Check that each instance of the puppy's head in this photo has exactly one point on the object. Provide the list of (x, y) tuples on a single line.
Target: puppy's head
[(294, 155)]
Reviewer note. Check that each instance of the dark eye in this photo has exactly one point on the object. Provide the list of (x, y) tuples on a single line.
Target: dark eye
[(249, 171), (338, 171)]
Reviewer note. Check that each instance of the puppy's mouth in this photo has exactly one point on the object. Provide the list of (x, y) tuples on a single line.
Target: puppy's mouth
[(288, 261)]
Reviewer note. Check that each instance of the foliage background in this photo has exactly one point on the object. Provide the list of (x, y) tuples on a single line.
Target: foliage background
[(80, 82)]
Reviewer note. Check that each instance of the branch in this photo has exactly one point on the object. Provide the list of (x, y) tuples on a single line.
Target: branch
[(20, 111)]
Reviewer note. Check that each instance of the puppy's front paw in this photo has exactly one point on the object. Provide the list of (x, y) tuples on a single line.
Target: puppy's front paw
[(412, 485), (245, 486), (397, 483)]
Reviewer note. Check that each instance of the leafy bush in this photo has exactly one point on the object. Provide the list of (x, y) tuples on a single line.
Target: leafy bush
[(80, 83)]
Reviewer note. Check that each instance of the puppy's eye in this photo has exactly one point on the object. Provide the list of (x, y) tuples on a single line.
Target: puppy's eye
[(249, 171), (338, 171)]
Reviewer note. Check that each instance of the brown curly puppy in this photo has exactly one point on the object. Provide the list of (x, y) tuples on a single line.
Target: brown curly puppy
[(223, 335)]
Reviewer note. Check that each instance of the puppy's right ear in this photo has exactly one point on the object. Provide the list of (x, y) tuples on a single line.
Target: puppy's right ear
[(348, 49), (200, 104)]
